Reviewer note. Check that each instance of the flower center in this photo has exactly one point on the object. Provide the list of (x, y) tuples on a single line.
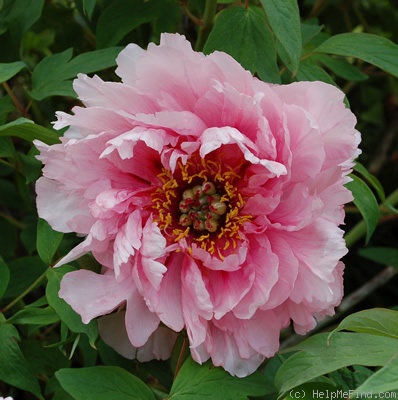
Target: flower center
[(200, 203), (202, 207)]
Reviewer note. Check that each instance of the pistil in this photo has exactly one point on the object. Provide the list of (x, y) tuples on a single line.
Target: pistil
[(202, 207)]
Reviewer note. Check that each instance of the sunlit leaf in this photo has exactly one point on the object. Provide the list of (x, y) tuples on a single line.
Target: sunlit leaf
[(103, 383), (197, 382), (374, 49), (53, 75), (319, 356), (26, 129), (383, 380), (377, 321)]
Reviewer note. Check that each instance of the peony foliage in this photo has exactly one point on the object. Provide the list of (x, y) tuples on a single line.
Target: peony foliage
[(198, 199)]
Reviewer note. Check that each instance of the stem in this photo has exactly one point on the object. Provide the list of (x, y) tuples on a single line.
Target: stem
[(24, 293), (316, 9), (14, 98), (359, 229), (181, 356), (207, 23), (192, 17), (12, 220)]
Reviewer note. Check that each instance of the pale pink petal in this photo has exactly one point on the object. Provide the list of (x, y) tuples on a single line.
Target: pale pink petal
[(140, 322), (63, 211), (92, 295), (196, 303), (127, 240), (153, 242), (166, 300), (264, 266), (94, 92), (159, 345), (214, 138), (113, 332)]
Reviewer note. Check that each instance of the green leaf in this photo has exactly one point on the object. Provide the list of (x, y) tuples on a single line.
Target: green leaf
[(8, 70), (14, 369), (6, 106), (309, 391), (18, 16), (23, 272), (26, 129), (373, 49), (377, 321), (43, 360), (197, 382), (88, 7), (47, 240), (309, 31), (34, 316), (284, 18), (243, 34), (310, 71), (30, 166), (320, 356), (366, 202), (342, 68), (4, 277), (372, 180), (53, 75), (383, 380), (8, 242), (67, 315), (7, 148), (121, 17), (381, 255), (103, 383)]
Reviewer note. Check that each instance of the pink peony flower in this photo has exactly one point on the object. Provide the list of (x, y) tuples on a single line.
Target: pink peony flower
[(211, 199)]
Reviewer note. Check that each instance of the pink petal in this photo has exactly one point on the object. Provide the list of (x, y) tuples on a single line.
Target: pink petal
[(214, 138), (166, 300), (196, 302), (140, 322), (62, 210), (127, 240), (94, 92), (92, 295)]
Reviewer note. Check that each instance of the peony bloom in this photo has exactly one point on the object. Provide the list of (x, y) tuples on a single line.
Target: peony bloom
[(211, 199)]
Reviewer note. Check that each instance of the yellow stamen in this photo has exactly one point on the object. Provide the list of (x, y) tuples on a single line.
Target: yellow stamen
[(214, 200)]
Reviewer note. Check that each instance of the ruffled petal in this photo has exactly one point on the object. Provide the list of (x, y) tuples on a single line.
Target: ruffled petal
[(92, 295)]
